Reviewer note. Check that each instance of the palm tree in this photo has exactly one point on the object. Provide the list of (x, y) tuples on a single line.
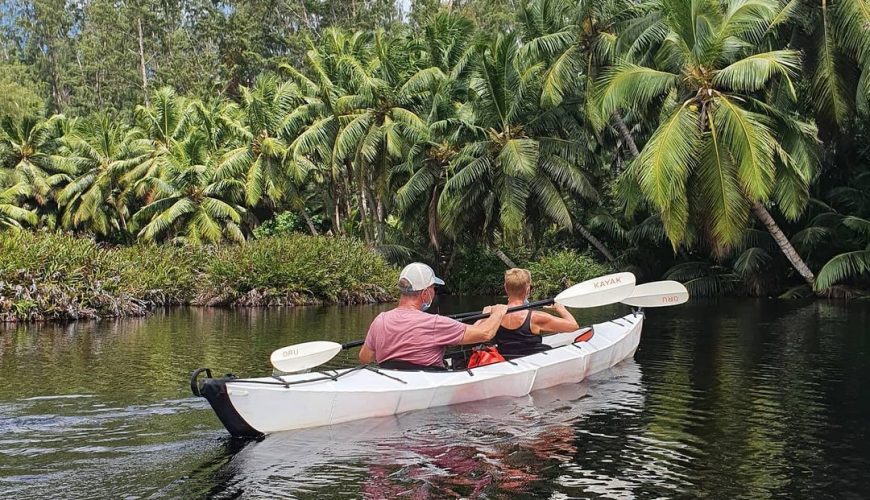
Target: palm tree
[(576, 39), (715, 153), (30, 163), (166, 121), (12, 216), (96, 200), (259, 161), (315, 124), (521, 154), (379, 123), (836, 40), (439, 88), (191, 204)]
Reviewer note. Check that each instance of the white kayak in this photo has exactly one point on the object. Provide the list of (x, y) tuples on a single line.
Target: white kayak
[(251, 408)]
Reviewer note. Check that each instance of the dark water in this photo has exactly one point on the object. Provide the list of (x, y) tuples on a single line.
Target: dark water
[(732, 399)]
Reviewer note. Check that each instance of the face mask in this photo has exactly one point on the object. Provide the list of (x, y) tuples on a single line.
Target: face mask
[(426, 305)]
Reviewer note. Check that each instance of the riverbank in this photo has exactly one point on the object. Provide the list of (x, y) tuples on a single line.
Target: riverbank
[(57, 277)]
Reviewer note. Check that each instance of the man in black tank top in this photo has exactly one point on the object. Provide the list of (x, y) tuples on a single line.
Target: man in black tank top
[(520, 332)]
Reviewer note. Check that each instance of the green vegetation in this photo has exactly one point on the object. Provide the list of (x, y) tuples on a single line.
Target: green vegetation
[(556, 272), (298, 269), (721, 143), (50, 276)]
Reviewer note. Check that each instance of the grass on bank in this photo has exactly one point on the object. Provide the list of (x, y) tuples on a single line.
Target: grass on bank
[(52, 276), (48, 276)]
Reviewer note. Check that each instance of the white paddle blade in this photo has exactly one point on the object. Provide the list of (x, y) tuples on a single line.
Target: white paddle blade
[(298, 357), (658, 294), (596, 292)]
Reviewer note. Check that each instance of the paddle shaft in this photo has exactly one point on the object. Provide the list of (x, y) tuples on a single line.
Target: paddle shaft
[(472, 316), (476, 316)]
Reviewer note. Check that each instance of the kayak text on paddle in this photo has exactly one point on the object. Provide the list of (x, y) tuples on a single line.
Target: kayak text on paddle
[(603, 283)]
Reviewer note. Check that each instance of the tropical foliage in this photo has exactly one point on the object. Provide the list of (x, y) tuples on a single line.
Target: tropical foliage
[(717, 142), (52, 276)]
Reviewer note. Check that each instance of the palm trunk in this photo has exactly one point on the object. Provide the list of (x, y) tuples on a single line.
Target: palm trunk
[(308, 221), (504, 258), (364, 214), (142, 63), (380, 212), (433, 218), (784, 245), (334, 204), (594, 241), (626, 134), (373, 215)]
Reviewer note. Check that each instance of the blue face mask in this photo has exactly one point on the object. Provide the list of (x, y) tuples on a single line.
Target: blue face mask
[(427, 305)]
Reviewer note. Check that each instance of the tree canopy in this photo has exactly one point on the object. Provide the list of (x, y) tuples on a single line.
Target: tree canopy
[(722, 143)]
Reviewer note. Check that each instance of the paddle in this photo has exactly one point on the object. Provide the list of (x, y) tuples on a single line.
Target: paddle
[(596, 292), (658, 294), (298, 357), (610, 289)]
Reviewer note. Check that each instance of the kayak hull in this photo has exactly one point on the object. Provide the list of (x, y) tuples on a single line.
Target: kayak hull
[(251, 408)]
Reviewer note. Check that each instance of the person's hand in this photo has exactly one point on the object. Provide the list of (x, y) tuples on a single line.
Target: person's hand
[(556, 307), (497, 310), (487, 309)]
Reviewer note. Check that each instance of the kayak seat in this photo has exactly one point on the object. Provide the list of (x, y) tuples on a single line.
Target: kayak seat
[(398, 364), (585, 336)]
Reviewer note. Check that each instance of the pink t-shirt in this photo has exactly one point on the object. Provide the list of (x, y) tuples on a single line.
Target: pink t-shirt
[(412, 336)]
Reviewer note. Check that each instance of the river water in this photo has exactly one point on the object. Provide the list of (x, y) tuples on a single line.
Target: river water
[(749, 398)]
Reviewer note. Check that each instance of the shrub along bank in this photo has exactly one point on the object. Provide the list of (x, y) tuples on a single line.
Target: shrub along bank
[(48, 276), (51, 276)]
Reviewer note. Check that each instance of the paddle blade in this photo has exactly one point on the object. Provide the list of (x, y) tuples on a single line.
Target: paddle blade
[(298, 357), (658, 294), (598, 291)]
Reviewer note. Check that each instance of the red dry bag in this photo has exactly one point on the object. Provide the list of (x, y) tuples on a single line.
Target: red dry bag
[(483, 356)]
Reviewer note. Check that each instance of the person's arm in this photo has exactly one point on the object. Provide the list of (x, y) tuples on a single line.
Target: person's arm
[(485, 331), (484, 311), (548, 323), (367, 351), (366, 355)]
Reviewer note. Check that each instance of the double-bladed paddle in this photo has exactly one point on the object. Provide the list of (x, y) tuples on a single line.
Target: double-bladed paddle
[(610, 289), (590, 293)]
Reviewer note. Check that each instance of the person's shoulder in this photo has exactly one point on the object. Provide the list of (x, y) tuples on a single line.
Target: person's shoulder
[(540, 316), (446, 320)]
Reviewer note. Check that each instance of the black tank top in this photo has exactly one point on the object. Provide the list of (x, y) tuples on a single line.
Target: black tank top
[(519, 341)]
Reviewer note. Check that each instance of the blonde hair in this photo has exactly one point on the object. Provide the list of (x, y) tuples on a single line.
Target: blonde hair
[(516, 281)]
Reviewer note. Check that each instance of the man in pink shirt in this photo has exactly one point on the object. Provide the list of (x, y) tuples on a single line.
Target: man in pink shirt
[(408, 338)]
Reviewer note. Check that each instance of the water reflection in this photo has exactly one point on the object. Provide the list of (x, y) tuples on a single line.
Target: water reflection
[(502, 447)]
